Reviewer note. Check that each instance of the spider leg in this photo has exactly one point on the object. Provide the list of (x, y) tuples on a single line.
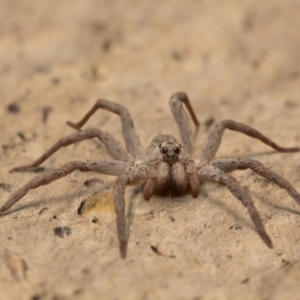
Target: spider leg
[(131, 139), (181, 119), (214, 139), (131, 175), (114, 148), (106, 167), (213, 174), (231, 164)]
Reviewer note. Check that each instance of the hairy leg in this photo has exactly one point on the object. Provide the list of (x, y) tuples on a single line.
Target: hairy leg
[(181, 119), (106, 167), (213, 174), (131, 175), (214, 139), (231, 164), (114, 148), (131, 139)]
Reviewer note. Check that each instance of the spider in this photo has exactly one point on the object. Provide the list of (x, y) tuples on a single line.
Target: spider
[(166, 168)]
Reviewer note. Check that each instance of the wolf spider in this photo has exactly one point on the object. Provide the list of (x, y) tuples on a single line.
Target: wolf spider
[(166, 168)]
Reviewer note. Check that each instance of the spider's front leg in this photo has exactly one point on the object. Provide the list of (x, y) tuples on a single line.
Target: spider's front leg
[(132, 175), (181, 119), (214, 139), (112, 167)]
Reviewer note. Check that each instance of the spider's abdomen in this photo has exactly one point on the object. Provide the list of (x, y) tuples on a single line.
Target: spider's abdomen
[(171, 179)]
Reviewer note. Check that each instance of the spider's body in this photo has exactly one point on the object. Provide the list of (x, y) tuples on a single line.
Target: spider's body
[(167, 168)]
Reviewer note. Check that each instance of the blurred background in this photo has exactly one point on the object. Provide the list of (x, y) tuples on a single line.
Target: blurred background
[(226, 55)]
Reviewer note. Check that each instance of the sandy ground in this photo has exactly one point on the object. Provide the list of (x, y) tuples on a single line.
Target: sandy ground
[(236, 59)]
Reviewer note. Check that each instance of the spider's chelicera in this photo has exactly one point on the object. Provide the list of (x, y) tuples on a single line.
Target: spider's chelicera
[(166, 168)]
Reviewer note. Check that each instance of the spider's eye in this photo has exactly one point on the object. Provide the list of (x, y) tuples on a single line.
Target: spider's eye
[(176, 150), (164, 150)]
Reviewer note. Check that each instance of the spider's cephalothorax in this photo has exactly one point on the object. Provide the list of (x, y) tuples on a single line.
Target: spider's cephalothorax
[(166, 168), (170, 151)]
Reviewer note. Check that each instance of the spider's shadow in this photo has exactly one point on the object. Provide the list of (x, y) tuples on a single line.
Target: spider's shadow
[(258, 154), (217, 201), (236, 216), (268, 202), (47, 201)]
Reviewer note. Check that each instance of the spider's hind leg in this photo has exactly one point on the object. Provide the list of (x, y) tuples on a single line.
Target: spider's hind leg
[(214, 139)]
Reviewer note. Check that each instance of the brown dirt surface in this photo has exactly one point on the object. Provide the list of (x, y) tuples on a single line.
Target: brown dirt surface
[(236, 60)]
